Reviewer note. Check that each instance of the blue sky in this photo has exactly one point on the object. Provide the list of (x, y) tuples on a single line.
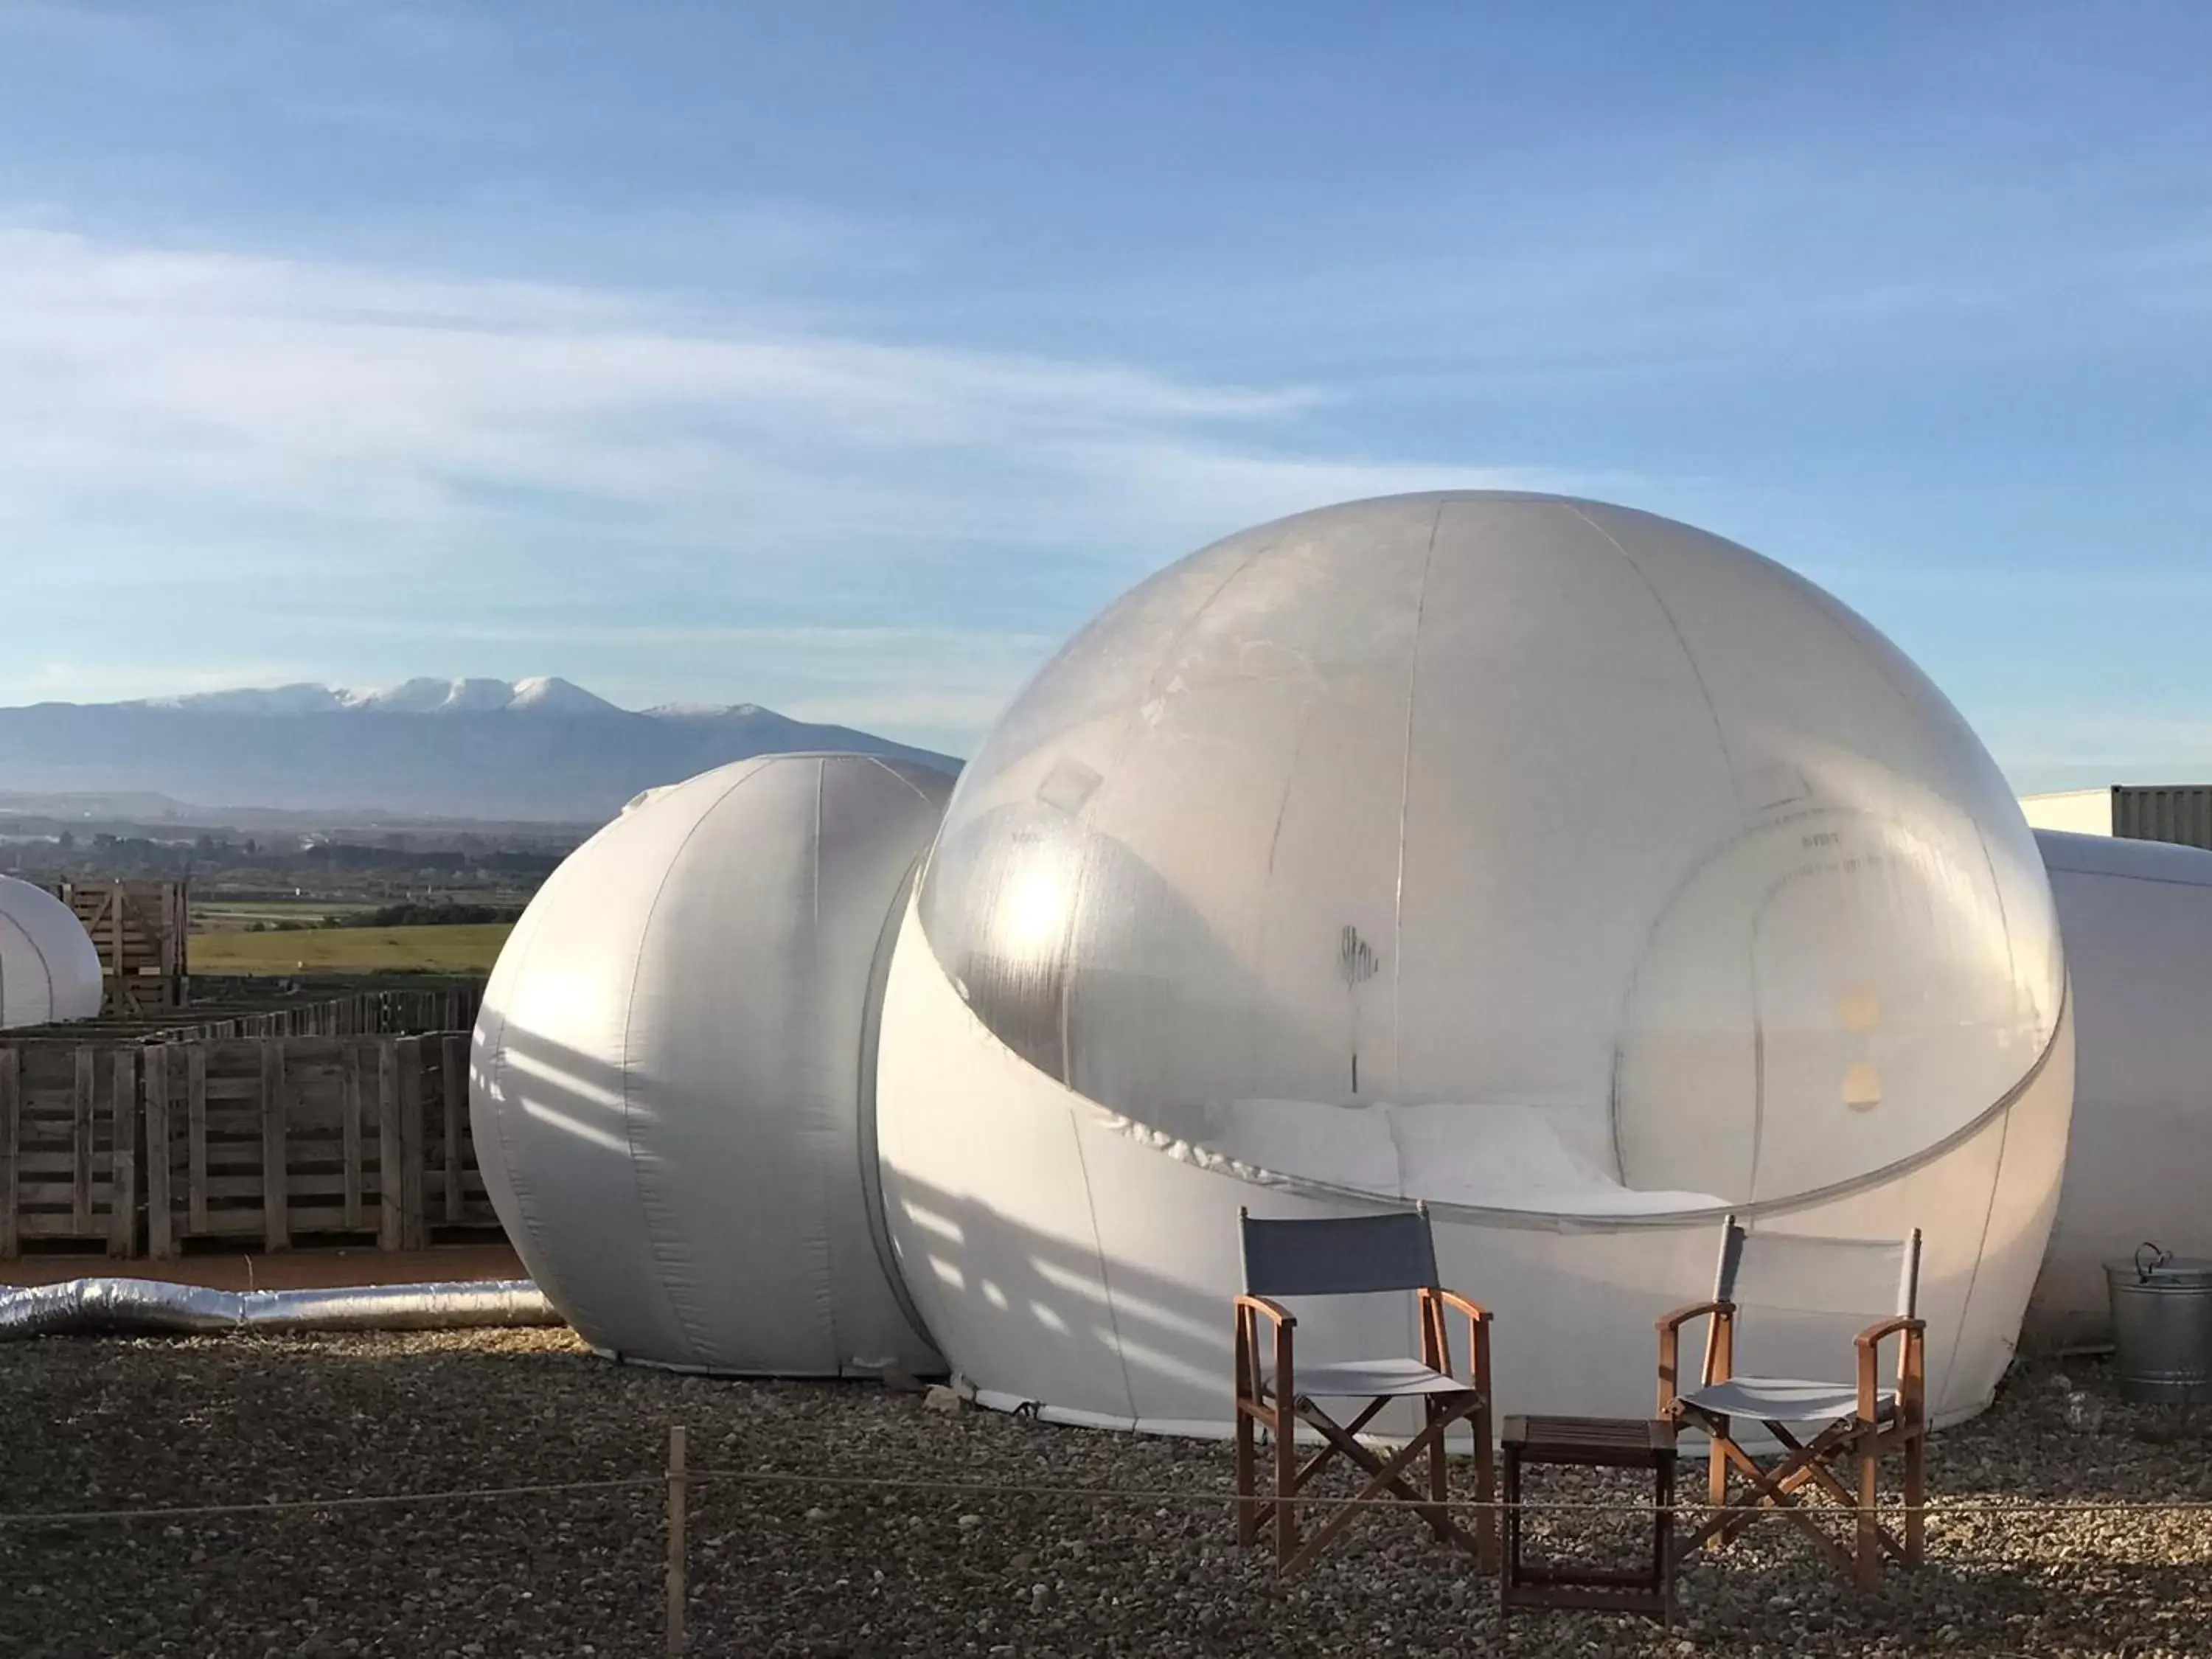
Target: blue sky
[(845, 357)]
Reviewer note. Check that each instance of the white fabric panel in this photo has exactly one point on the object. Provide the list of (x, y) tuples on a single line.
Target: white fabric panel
[(2137, 916), (668, 1064), (1799, 1273), (49, 970), (1786, 1399)]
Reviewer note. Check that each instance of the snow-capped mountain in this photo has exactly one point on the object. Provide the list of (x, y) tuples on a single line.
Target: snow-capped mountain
[(533, 749), (543, 694)]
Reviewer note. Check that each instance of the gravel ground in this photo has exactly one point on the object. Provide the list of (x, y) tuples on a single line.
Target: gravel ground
[(791, 1569)]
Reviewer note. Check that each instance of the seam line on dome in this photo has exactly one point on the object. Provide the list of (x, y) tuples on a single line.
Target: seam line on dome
[(526, 1197), (2123, 875), (810, 1017), (685, 1322), (866, 1081), (877, 761), (1981, 1245), (1405, 793), (1099, 1254), (1704, 691)]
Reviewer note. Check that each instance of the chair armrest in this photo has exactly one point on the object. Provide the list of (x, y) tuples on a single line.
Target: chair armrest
[(1908, 1366), (1473, 1310), (1874, 1335), (1436, 1344), (1275, 1311), (1719, 1347), (1681, 1316)]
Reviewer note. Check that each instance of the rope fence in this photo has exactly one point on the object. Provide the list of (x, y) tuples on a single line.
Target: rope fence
[(678, 1479), (1933, 1511)]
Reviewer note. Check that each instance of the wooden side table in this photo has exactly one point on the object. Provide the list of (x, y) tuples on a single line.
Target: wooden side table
[(1605, 1442)]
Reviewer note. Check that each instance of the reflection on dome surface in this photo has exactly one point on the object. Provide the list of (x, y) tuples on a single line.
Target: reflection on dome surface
[(1506, 851)]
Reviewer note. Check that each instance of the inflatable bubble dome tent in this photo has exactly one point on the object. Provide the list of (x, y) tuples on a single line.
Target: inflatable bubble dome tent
[(49, 970), (667, 1075), (1582, 874), (2137, 917)]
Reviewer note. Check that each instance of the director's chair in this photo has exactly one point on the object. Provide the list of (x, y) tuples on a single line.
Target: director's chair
[(1862, 1421), (1354, 1256)]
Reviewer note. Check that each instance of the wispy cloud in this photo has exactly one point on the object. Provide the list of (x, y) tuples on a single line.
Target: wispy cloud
[(366, 450)]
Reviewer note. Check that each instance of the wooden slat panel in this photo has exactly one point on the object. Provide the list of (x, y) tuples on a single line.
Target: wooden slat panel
[(160, 1243), (354, 1083), (320, 1218), (414, 1230), (195, 1108), (81, 1110), (11, 1118), (324, 1183), (454, 1075), (123, 1155), (391, 1216), (58, 1197), (276, 1234)]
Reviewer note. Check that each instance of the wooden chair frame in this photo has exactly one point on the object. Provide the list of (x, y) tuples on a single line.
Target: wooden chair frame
[(1840, 1462), (1279, 1408)]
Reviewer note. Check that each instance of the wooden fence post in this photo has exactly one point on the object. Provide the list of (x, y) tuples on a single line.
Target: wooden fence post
[(161, 1240), (350, 1081), (678, 1495), (195, 1161), (11, 1118), (388, 1229), (275, 1189), (81, 1143), (414, 1230), (123, 1154), (453, 1081)]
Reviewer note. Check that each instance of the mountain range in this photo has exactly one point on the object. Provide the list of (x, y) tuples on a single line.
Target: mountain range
[(539, 749)]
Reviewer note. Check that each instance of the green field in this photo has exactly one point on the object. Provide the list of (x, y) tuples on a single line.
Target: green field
[(224, 915), (458, 950)]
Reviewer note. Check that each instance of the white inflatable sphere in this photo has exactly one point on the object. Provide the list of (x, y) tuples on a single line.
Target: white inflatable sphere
[(1581, 873), (49, 970), (2137, 916), (667, 1077)]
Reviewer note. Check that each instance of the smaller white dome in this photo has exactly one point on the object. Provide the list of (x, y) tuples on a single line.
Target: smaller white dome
[(49, 970), (667, 1082)]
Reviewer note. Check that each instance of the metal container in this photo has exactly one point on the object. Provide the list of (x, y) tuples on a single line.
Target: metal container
[(2162, 1327), (2181, 813)]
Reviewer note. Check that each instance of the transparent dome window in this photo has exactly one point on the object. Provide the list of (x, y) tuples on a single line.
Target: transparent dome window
[(1505, 851)]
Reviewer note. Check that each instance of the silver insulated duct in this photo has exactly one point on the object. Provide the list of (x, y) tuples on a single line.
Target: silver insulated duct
[(141, 1307)]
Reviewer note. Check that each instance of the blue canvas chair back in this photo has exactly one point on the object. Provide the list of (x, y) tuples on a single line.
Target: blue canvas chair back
[(1866, 1279), (1348, 1255)]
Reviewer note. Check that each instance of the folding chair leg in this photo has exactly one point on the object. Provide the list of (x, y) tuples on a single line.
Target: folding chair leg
[(1867, 1557), (1915, 1499), (1286, 1481), (1439, 1486), (1247, 1500), (1717, 1473), (1485, 1490)]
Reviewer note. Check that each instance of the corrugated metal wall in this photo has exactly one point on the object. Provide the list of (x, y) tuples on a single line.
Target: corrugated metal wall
[(2181, 813)]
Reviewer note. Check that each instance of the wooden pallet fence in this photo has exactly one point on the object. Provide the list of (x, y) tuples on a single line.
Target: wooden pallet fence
[(330, 1013), (138, 927), (258, 1142), (64, 1109)]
